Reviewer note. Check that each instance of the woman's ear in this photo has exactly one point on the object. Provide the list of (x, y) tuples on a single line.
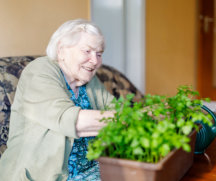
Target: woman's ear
[(60, 52)]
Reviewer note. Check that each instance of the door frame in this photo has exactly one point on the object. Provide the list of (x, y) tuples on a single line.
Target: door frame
[(204, 59)]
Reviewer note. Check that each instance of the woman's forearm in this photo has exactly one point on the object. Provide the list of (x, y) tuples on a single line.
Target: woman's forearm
[(88, 122)]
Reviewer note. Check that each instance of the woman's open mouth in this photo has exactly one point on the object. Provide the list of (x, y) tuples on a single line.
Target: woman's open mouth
[(89, 69)]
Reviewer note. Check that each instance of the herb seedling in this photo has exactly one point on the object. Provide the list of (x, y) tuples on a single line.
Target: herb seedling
[(148, 130)]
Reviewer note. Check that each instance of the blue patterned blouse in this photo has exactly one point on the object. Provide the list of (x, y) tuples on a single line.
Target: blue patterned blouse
[(79, 167)]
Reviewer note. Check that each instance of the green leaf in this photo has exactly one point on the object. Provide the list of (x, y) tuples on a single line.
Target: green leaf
[(180, 122), (129, 96), (155, 143), (165, 149), (145, 142), (207, 99), (186, 129), (138, 151), (134, 143), (186, 147)]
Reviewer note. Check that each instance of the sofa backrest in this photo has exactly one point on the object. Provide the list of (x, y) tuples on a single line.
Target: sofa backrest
[(10, 70)]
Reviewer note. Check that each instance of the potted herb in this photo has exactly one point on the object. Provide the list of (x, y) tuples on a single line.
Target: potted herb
[(151, 140)]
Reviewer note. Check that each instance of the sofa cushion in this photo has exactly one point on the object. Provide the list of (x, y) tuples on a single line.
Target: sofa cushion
[(116, 83), (10, 70)]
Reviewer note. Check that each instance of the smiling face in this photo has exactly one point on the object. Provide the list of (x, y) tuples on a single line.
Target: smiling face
[(80, 62)]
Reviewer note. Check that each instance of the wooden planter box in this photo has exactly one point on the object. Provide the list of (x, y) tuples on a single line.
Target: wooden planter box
[(171, 168)]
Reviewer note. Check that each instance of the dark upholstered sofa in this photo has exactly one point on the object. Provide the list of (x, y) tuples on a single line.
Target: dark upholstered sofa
[(11, 68)]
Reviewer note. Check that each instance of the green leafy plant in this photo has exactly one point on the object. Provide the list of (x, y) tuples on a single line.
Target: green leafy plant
[(148, 130)]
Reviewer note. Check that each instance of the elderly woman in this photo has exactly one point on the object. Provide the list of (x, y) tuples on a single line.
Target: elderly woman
[(56, 109)]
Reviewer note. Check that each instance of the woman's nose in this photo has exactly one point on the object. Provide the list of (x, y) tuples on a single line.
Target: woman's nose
[(93, 58)]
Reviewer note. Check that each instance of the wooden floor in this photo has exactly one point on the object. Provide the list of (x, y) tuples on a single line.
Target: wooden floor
[(204, 167)]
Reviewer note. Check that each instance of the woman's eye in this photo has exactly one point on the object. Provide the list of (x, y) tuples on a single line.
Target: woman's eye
[(86, 51), (99, 54)]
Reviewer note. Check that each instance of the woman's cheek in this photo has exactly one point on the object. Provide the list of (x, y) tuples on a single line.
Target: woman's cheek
[(99, 63)]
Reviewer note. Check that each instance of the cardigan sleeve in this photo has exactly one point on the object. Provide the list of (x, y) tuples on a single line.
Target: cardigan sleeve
[(41, 97)]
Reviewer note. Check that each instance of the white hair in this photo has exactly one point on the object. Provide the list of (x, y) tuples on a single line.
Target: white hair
[(69, 34)]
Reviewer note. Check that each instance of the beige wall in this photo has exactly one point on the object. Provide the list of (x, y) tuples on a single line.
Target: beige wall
[(171, 45), (26, 26)]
